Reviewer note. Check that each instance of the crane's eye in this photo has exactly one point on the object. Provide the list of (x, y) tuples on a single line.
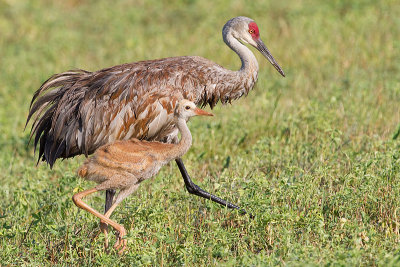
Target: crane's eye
[(187, 107), (251, 31)]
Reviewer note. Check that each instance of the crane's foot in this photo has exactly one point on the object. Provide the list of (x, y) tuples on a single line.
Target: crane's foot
[(104, 230), (192, 188), (120, 245)]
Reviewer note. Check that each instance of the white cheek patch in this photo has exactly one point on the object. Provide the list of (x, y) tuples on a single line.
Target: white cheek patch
[(244, 40), (252, 42)]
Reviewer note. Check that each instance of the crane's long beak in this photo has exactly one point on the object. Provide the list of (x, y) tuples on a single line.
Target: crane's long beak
[(264, 50), (201, 112)]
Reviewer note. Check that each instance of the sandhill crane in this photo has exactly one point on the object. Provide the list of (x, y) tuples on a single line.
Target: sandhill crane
[(125, 164), (78, 111)]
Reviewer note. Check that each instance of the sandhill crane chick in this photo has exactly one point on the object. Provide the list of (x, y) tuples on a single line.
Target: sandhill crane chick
[(124, 165)]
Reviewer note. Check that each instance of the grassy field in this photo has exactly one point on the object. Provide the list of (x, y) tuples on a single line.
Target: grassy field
[(314, 155)]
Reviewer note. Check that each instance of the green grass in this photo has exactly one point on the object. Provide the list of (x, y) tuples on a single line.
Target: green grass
[(312, 155)]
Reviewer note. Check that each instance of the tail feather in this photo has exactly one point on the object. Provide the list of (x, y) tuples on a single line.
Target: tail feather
[(41, 148), (39, 106), (59, 79), (44, 106), (41, 124)]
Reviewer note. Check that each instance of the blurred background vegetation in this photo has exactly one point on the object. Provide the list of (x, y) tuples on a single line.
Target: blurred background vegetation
[(314, 155)]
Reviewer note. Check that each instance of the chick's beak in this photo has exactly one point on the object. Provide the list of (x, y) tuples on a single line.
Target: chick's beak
[(201, 112), (264, 50)]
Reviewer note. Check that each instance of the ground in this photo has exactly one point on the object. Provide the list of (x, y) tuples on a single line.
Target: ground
[(314, 156)]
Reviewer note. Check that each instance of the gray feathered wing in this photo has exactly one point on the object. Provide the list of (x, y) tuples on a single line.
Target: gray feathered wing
[(76, 112)]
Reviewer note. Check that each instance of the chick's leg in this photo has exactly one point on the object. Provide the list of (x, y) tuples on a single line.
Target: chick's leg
[(77, 198)]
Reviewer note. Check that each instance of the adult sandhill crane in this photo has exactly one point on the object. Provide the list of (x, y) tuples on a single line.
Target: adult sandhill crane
[(125, 164), (78, 111)]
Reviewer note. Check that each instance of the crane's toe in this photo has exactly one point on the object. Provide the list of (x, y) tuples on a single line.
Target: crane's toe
[(104, 230), (120, 245)]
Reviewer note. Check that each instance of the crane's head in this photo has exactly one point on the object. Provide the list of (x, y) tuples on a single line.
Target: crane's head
[(246, 31), (186, 109)]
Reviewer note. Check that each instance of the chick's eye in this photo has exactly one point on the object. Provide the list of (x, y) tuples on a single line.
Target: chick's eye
[(187, 107), (251, 31)]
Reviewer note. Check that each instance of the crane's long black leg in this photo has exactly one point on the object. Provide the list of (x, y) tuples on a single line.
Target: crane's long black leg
[(192, 188), (109, 199), (104, 226)]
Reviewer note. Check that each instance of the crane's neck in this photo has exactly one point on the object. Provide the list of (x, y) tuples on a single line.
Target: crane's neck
[(231, 85), (249, 61), (186, 139)]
